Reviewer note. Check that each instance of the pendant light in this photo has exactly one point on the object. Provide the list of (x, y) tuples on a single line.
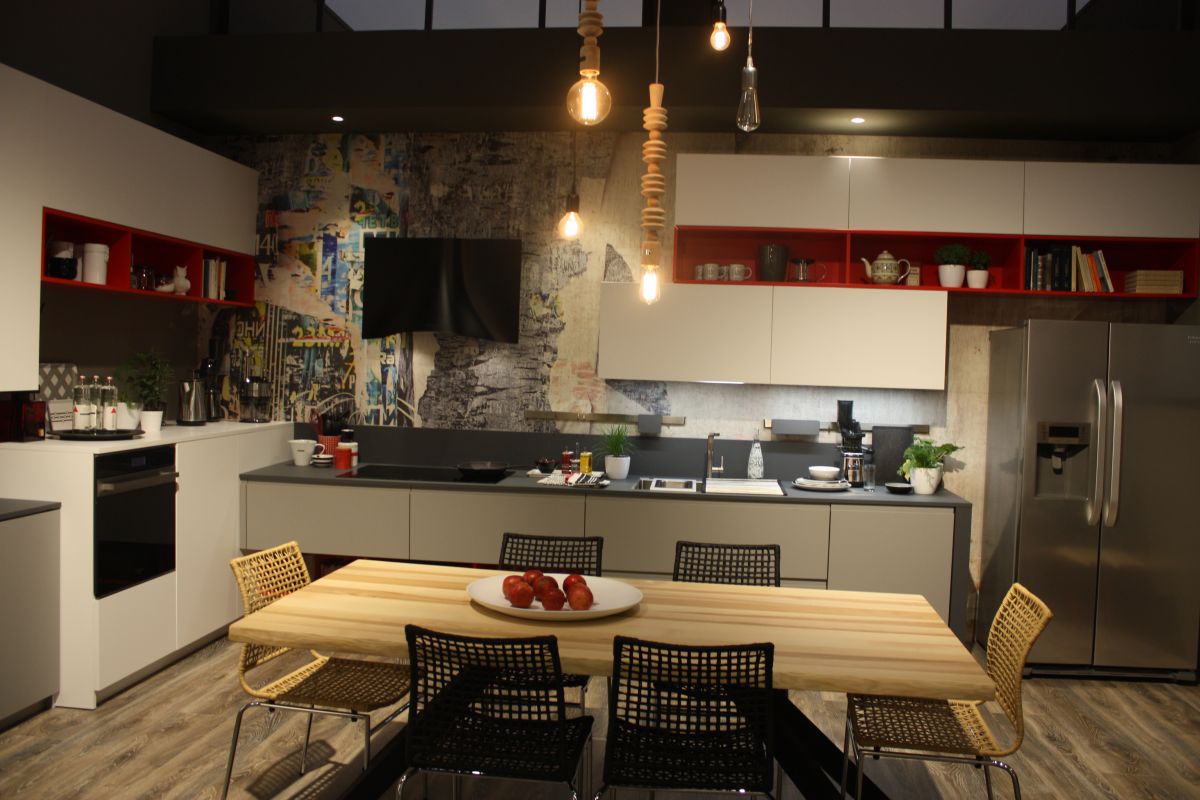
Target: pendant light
[(748, 116), (589, 101), (571, 225), (654, 183), (719, 38)]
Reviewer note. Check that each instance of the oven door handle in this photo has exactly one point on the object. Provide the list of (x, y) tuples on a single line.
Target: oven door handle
[(136, 482)]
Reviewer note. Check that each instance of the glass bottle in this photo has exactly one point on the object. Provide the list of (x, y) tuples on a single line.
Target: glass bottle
[(754, 469), (108, 405), (79, 407)]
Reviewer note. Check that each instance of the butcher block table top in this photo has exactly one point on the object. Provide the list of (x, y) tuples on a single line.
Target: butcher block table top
[(858, 642)]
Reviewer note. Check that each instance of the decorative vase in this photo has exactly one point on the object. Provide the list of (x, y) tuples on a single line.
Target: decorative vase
[(128, 415), (925, 480), (754, 468), (151, 422), (951, 275), (617, 467), (977, 278), (182, 284)]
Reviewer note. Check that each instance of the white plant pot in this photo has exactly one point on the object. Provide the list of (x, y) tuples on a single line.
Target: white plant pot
[(617, 467), (977, 278), (152, 422), (925, 480), (128, 415), (951, 275)]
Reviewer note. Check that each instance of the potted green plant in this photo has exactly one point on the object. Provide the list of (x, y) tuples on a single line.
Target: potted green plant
[(144, 379), (977, 275), (615, 445), (923, 463), (952, 264)]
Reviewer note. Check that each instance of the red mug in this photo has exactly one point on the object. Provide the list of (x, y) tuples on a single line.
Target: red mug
[(343, 457)]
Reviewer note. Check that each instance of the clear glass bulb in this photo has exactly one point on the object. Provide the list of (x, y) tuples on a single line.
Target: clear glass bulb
[(570, 226), (649, 288), (588, 100), (720, 36), (748, 116)]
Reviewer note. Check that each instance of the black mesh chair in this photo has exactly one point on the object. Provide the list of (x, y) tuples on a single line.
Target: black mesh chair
[(490, 707), (744, 564), (582, 554), (690, 718)]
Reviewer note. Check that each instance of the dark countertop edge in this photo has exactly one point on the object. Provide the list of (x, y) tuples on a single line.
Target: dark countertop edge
[(327, 476), (13, 509)]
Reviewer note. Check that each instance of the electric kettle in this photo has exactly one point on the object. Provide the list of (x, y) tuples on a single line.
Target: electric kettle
[(193, 407)]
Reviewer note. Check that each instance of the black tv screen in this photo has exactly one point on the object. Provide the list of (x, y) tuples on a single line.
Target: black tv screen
[(470, 287)]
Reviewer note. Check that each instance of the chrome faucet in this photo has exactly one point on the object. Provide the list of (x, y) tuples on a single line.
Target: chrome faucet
[(709, 470)]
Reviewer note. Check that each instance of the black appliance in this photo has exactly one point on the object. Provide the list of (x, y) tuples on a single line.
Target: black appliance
[(407, 472), (469, 287), (133, 518)]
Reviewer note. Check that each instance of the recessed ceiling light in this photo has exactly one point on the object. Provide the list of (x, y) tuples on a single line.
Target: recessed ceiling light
[(338, 118), (857, 120)]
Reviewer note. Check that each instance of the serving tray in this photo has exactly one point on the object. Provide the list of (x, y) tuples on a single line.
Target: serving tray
[(97, 436)]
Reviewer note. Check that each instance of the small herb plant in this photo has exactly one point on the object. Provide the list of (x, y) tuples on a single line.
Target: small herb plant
[(924, 454), (980, 260), (614, 441), (953, 254), (144, 379)]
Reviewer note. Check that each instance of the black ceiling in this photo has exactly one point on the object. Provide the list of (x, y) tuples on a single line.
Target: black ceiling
[(1078, 84)]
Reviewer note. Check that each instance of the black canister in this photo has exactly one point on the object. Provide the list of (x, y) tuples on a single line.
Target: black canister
[(772, 262)]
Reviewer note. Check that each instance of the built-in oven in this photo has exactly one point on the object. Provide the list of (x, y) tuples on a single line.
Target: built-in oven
[(133, 517)]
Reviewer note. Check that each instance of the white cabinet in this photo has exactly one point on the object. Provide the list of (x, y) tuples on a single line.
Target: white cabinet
[(136, 629), (830, 336), (466, 527), (1137, 200), (761, 191), (29, 557), (640, 532), (923, 194), (694, 333), (893, 549), (368, 521)]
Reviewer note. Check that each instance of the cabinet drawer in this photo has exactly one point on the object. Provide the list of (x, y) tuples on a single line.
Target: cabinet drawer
[(332, 520), (640, 534), (466, 527)]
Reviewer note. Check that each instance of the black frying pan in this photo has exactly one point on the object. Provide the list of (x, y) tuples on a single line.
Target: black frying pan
[(483, 470)]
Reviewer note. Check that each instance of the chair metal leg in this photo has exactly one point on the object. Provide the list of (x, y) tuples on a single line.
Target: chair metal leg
[(366, 721), (858, 778), (400, 786), (599, 792), (987, 779), (237, 727), (845, 757), (1012, 773), (304, 749)]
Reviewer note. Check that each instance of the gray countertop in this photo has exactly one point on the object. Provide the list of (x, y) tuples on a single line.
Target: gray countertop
[(11, 509), (519, 482)]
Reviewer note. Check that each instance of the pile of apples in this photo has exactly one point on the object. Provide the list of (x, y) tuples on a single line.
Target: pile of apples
[(522, 590)]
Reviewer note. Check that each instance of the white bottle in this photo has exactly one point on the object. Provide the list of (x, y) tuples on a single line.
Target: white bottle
[(754, 469), (108, 405)]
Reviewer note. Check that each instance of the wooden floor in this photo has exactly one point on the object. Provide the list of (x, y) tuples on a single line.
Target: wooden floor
[(168, 738)]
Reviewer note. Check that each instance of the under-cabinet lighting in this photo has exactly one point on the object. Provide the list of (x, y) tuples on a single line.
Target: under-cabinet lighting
[(730, 383), (338, 118), (858, 120)]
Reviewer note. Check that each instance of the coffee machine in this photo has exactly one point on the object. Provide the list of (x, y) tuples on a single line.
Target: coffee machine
[(255, 396), (207, 372), (852, 443)]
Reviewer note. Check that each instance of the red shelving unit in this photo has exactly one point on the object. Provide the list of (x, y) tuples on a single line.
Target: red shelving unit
[(840, 252), (130, 247)]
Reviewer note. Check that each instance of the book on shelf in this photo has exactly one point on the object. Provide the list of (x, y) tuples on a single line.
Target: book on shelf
[(1154, 281), (1106, 275)]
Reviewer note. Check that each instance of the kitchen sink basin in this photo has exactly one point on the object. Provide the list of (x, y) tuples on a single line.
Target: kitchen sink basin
[(743, 486), (667, 485)]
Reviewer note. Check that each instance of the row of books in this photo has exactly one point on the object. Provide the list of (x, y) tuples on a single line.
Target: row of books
[(1067, 268), (212, 283), (1154, 281)]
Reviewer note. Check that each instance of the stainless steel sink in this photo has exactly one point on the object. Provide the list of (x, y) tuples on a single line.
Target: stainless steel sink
[(743, 486), (667, 485)]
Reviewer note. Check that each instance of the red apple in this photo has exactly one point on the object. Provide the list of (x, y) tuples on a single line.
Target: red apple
[(531, 575), (544, 584), (580, 597), (553, 600), (510, 581), (521, 595), (574, 579)]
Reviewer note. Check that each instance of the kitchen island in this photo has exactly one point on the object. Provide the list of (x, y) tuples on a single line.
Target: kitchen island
[(859, 540)]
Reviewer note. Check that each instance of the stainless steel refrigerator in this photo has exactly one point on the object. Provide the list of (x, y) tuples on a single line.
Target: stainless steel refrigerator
[(1093, 491)]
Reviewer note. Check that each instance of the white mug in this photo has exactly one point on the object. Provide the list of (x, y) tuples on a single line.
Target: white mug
[(95, 263), (303, 450), (739, 272), (712, 272)]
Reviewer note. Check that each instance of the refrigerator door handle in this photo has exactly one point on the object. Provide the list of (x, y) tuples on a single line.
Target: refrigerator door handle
[(1113, 497), (1098, 428)]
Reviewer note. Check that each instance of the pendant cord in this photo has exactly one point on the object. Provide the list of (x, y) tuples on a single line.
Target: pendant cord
[(750, 41), (574, 159), (657, 34)]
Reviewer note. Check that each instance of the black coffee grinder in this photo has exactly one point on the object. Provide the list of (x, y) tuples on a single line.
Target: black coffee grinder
[(852, 443)]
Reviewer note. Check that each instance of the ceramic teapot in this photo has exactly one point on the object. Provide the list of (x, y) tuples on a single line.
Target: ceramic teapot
[(886, 268)]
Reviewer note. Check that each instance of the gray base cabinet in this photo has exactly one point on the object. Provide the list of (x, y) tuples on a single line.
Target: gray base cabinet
[(29, 551), (640, 533), (468, 526), (904, 550), (371, 522)]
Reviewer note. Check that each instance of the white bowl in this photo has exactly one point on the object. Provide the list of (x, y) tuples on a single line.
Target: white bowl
[(824, 473)]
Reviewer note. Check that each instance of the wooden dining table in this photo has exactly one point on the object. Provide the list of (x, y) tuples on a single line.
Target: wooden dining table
[(855, 642)]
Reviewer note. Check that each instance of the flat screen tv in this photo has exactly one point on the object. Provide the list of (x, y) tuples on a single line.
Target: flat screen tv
[(470, 287)]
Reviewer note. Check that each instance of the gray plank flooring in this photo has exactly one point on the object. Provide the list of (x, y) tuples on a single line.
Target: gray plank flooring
[(168, 737)]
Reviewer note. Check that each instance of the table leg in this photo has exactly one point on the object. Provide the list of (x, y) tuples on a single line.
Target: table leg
[(810, 759)]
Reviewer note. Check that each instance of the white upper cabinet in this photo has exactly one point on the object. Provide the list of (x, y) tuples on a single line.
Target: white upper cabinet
[(873, 338), (1139, 200), (743, 191), (920, 194), (694, 333)]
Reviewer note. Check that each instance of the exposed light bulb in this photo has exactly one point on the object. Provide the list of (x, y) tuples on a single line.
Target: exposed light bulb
[(588, 100), (720, 36), (748, 116), (649, 287), (571, 225)]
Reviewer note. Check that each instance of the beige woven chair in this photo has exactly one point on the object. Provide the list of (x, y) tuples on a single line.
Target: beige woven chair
[(952, 730), (334, 687)]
